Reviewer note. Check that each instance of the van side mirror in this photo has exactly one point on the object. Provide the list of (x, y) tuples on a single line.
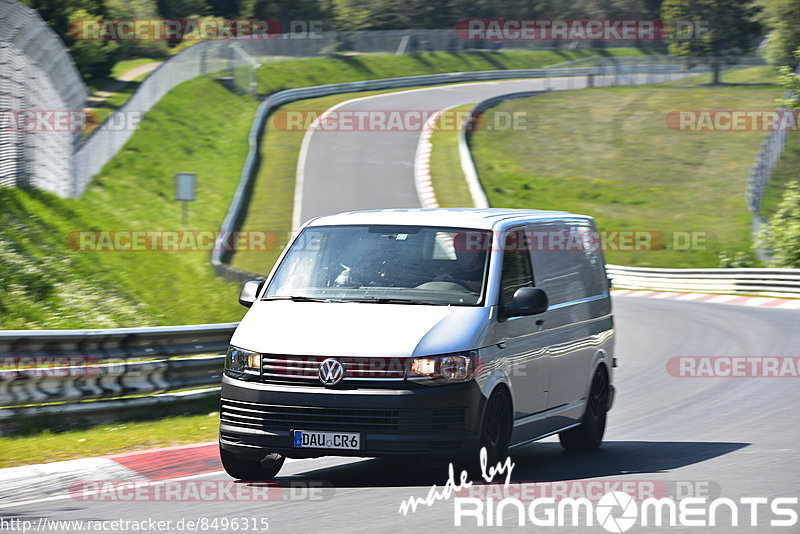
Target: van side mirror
[(249, 292), (527, 301)]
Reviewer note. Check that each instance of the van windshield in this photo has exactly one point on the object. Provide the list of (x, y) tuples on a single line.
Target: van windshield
[(384, 264)]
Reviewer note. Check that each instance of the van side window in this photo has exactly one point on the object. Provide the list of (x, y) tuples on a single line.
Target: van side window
[(517, 271), (567, 266)]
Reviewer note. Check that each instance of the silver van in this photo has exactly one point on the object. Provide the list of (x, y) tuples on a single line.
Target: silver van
[(424, 333)]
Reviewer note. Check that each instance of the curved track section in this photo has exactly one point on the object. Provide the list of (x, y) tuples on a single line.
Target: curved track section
[(345, 171), (731, 437), (736, 437)]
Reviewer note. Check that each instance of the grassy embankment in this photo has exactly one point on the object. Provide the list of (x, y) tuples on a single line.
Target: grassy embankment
[(607, 152), (199, 127), (273, 193)]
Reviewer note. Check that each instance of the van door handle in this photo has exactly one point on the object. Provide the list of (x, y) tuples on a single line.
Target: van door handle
[(539, 322)]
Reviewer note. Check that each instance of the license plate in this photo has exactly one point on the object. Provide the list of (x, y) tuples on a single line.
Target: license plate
[(309, 439)]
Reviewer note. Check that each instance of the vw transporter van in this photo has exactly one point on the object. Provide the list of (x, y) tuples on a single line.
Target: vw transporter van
[(422, 333)]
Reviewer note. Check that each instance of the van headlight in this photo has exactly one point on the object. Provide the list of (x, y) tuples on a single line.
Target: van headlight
[(447, 368), (242, 362)]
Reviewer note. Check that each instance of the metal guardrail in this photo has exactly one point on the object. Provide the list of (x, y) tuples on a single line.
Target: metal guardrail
[(152, 361), (48, 366), (614, 73), (758, 281), (37, 67), (465, 155), (68, 416), (766, 282)]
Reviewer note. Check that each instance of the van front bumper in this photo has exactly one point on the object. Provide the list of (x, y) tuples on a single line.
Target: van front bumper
[(434, 421)]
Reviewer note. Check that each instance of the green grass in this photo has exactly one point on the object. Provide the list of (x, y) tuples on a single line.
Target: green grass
[(124, 66), (115, 101), (764, 74), (606, 152), (198, 127), (98, 84), (272, 200), (118, 98), (785, 171), (449, 185), (279, 75), (107, 439)]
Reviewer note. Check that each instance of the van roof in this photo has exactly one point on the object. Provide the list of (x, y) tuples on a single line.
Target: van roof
[(482, 218)]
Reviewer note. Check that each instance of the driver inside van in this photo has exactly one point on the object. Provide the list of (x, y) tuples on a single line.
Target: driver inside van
[(469, 266)]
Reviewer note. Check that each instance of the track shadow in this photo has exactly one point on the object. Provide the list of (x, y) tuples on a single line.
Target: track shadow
[(542, 462)]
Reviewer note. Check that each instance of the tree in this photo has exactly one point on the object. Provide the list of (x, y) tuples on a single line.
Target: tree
[(791, 81), (229, 9), (727, 29), (93, 58), (782, 237), (183, 9), (136, 9), (783, 19), (285, 11)]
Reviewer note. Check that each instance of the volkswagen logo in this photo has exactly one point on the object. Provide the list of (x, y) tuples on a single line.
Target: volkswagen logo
[(331, 372)]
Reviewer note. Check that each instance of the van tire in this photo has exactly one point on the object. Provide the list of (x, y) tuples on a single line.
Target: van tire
[(240, 469), (496, 427), (589, 434)]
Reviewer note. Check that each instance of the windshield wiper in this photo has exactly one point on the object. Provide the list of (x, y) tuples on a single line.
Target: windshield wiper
[(384, 300), (300, 298)]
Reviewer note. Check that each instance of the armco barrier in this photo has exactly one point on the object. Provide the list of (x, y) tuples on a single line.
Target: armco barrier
[(36, 365), (152, 360), (615, 73), (134, 362), (71, 415), (766, 282)]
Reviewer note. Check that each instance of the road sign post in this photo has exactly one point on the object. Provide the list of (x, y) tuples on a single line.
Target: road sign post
[(185, 192)]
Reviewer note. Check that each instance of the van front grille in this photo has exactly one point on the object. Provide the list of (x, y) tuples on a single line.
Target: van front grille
[(282, 417), (292, 369)]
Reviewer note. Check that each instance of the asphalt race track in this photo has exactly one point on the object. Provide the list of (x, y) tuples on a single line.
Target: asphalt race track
[(737, 437), (344, 171), (729, 437)]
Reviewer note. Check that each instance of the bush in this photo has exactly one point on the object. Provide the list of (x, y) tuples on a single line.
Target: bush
[(736, 261), (782, 237), (93, 59)]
